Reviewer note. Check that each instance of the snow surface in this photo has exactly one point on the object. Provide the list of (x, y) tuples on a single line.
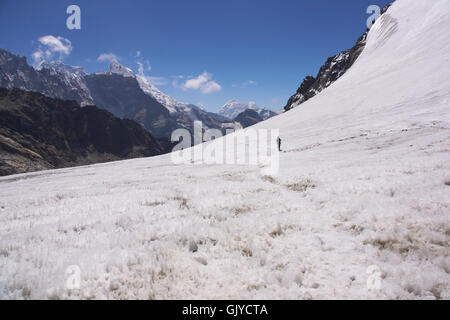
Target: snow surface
[(364, 180)]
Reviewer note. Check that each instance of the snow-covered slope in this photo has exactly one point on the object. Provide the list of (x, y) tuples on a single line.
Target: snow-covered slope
[(233, 108), (170, 103), (362, 193), (71, 76)]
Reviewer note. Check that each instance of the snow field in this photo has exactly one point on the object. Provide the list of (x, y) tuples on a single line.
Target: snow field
[(364, 181)]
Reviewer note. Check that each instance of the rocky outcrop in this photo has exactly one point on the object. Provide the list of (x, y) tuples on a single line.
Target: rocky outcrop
[(38, 132), (334, 68), (248, 118), (123, 97)]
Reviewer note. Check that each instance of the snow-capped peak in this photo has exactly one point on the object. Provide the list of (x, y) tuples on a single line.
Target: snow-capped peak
[(234, 107), (61, 68), (170, 103), (116, 68), (73, 78)]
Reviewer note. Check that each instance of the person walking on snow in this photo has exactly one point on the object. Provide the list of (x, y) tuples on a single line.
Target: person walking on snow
[(279, 143)]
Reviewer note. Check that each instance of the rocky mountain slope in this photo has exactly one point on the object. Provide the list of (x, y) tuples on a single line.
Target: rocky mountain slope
[(132, 96), (38, 132), (334, 68), (248, 118), (123, 97), (52, 79)]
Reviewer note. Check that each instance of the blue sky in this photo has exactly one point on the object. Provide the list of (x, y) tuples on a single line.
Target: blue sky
[(204, 52)]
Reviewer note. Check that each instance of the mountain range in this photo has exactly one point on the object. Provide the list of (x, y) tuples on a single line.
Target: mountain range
[(118, 90), (56, 115)]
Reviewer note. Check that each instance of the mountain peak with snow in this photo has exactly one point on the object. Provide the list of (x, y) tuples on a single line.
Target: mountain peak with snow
[(234, 107), (167, 101), (61, 68), (116, 68), (149, 88), (106, 90)]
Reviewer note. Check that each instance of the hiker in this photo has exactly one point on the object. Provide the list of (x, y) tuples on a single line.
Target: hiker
[(279, 143)]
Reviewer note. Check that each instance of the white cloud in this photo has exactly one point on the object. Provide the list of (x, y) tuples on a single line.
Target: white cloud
[(198, 82), (157, 81), (141, 68), (107, 57), (51, 48), (57, 44), (203, 82), (211, 87), (244, 84), (140, 62)]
